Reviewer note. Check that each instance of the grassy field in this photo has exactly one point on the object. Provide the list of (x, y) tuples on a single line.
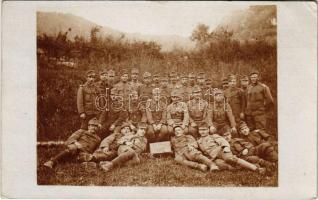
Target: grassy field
[(151, 172)]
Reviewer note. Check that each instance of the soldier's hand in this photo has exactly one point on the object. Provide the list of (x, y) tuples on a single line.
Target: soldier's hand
[(242, 116), (245, 152), (212, 129), (226, 150), (233, 130), (83, 116), (112, 127)]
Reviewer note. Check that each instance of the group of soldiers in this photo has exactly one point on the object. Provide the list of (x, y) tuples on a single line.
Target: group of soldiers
[(210, 126)]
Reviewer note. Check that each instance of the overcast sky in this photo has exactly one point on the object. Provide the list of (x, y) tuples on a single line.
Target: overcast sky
[(156, 18)]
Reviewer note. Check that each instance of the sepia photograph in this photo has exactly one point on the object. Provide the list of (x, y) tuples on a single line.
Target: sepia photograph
[(158, 94)]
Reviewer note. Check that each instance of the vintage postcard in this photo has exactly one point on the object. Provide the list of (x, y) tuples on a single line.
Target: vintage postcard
[(183, 96)]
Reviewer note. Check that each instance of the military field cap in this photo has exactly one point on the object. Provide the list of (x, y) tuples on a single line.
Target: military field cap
[(203, 127), (125, 124), (156, 91), (191, 75), (123, 72), (90, 73), (164, 76), (176, 126), (146, 74), (225, 80), (111, 71), (104, 71), (156, 74), (244, 77), (218, 91), (93, 121), (176, 93), (142, 126), (208, 81), (243, 125), (196, 89), (231, 77), (173, 74), (184, 75), (133, 92), (201, 75), (254, 71), (135, 71)]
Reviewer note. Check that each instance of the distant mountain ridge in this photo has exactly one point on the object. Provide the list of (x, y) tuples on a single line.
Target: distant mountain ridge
[(51, 23)]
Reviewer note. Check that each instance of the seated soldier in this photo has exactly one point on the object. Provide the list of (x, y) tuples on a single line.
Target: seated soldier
[(131, 145), (177, 113), (80, 142), (220, 117), (156, 112), (215, 146), (136, 111), (186, 151), (253, 147), (198, 109)]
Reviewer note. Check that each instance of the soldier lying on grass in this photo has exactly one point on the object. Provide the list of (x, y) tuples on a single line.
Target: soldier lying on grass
[(79, 143), (215, 146), (130, 147), (187, 153), (251, 147)]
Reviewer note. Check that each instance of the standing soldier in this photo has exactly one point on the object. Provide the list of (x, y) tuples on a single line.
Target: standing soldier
[(177, 113), (185, 90), (156, 112), (187, 153), (123, 88), (165, 91), (136, 111), (87, 95), (236, 98), (156, 80), (145, 91), (225, 83), (111, 78), (259, 99), (198, 111), (104, 91), (207, 88), (80, 142), (174, 81), (244, 85), (220, 116), (201, 80), (134, 83)]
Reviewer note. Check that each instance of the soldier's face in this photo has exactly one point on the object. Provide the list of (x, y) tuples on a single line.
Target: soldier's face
[(156, 96), (125, 130), (175, 98), (164, 82), (134, 96), (147, 80), (173, 79), (91, 78), (227, 136), (203, 132), (184, 80), (232, 83), (244, 83), (254, 78), (225, 85), (92, 128), (196, 95), (245, 130), (141, 131), (134, 76), (178, 131), (124, 78), (200, 81), (111, 77), (156, 79), (219, 97), (192, 80), (103, 77)]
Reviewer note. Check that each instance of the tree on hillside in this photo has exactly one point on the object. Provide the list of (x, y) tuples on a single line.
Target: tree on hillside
[(200, 35)]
